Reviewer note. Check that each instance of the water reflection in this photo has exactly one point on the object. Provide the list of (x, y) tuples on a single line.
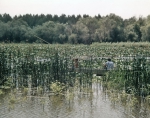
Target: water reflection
[(98, 103)]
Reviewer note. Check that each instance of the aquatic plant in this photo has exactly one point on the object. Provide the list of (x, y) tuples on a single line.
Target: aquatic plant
[(1, 92), (57, 87), (42, 64)]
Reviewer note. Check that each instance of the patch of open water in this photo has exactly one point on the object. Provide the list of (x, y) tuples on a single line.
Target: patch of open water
[(95, 104)]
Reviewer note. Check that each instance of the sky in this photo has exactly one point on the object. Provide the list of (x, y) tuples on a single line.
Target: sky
[(123, 8)]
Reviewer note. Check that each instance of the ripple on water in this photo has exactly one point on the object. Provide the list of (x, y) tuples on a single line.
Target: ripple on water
[(91, 105)]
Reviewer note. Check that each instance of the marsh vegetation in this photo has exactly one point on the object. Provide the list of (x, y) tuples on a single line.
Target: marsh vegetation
[(42, 71)]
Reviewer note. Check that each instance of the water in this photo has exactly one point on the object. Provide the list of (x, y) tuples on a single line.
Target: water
[(94, 104)]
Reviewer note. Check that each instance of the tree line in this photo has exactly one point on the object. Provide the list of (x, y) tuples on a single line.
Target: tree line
[(73, 29)]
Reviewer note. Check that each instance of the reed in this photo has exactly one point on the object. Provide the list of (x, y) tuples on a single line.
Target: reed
[(44, 64)]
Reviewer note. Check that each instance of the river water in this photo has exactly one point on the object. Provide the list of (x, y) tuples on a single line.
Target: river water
[(94, 104)]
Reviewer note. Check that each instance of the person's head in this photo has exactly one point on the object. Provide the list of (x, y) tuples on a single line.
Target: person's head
[(109, 59)]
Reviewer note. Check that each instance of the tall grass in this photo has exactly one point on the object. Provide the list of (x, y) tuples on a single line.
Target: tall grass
[(50, 63), (131, 75)]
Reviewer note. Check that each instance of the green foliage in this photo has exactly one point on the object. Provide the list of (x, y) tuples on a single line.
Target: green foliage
[(8, 83), (57, 87), (132, 76), (1, 92), (73, 29), (72, 39), (40, 65)]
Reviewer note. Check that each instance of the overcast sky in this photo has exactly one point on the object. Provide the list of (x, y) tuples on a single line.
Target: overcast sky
[(123, 8)]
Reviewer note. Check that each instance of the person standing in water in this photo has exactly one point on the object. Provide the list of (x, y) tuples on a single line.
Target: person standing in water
[(109, 65)]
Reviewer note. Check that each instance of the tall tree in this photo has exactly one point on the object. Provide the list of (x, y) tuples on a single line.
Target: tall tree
[(62, 18), (3, 30), (92, 25), (17, 30), (6, 18), (82, 32), (46, 31), (130, 34)]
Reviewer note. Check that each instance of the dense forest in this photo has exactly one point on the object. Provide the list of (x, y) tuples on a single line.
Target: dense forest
[(73, 29)]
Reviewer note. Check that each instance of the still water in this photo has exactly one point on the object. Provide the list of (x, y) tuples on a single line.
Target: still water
[(94, 104)]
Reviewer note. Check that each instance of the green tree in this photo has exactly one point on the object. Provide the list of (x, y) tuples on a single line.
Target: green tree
[(6, 18), (137, 30), (17, 30), (130, 34), (145, 33), (72, 39), (60, 35), (62, 18), (46, 31), (82, 33), (92, 25), (105, 27), (3, 29), (29, 19), (117, 34)]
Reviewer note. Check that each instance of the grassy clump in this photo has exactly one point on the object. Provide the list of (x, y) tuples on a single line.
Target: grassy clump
[(133, 77), (1, 92), (57, 87)]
